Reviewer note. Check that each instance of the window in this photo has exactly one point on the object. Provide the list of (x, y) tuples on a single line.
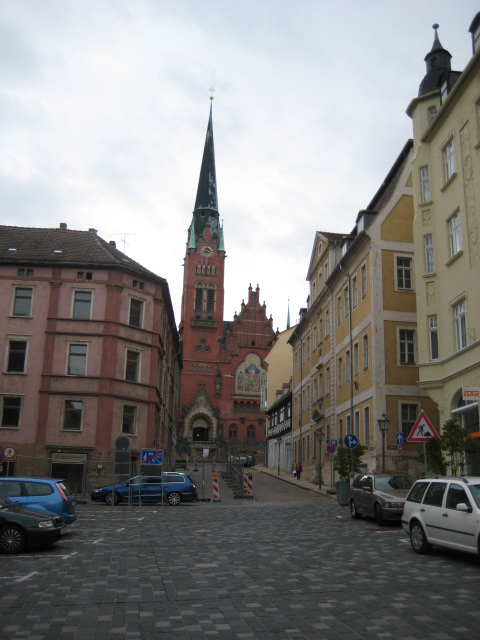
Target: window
[(349, 422), (404, 273), (327, 381), (251, 432), (366, 423), (135, 317), (82, 304), (327, 323), (319, 281), (325, 271), (232, 432), (314, 291), (429, 258), (320, 385), (22, 273), (443, 92), (348, 362), (340, 372), (320, 329), (132, 368), (346, 301), (129, 420), (434, 494), (210, 298), (355, 359), (72, 415), (409, 414), (460, 325), (455, 234), (356, 419), (77, 359), (431, 113), (339, 310), (354, 291), (425, 184), (314, 338), (407, 346), (449, 160), (433, 337), (340, 431), (22, 302), (363, 277), (456, 495), (365, 351), (198, 297), (16, 356), (10, 407)]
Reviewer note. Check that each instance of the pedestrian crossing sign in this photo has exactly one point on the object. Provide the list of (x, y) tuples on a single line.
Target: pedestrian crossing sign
[(423, 430)]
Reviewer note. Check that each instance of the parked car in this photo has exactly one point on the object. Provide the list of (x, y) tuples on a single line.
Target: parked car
[(444, 512), (46, 494), (21, 527), (243, 460), (380, 496), (175, 487)]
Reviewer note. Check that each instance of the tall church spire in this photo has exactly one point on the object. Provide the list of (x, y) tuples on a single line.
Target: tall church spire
[(207, 183)]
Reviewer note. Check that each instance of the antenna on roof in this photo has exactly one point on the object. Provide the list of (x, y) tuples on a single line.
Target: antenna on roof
[(122, 238)]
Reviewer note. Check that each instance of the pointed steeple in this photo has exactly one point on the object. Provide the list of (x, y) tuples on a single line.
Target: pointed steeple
[(438, 63), (288, 315), (207, 183)]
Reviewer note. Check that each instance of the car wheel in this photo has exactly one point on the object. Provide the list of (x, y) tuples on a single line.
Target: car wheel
[(418, 539), (12, 539), (378, 514), (353, 510), (174, 498), (116, 498)]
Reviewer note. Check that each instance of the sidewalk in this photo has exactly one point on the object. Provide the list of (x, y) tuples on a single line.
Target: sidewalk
[(289, 477)]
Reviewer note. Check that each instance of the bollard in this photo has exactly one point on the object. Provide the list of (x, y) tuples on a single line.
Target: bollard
[(216, 492)]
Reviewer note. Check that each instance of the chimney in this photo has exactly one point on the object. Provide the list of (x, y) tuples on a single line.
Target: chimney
[(113, 244), (63, 225), (92, 230)]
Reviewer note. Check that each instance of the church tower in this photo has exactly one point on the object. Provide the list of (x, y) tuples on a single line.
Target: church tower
[(220, 378)]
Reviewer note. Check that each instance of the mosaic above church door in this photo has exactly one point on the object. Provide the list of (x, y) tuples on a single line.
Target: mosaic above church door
[(247, 379)]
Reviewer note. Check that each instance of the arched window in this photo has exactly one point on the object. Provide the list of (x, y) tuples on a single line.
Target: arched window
[(210, 298), (232, 432), (251, 432), (198, 296)]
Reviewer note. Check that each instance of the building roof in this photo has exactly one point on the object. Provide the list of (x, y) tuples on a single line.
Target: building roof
[(438, 67), (64, 247)]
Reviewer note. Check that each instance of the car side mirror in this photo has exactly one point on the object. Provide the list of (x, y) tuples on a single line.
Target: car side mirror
[(462, 506)]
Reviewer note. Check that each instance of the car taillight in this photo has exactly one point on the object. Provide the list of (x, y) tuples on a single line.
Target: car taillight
[(60, 491), (192, 486)]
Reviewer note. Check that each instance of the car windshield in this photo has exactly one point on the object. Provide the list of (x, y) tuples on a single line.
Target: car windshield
[(387, 483), (475, 489)]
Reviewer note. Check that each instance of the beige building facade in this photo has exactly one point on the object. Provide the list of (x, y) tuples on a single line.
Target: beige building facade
[(446, 181), (355, 347)]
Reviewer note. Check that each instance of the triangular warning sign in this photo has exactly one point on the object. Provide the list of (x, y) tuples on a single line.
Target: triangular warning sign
[(423, 430)]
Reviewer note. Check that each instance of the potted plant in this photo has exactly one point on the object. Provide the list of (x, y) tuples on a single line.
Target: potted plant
[(346, 462)]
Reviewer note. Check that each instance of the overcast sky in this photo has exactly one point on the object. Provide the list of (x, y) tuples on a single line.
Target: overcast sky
[(104, 109)]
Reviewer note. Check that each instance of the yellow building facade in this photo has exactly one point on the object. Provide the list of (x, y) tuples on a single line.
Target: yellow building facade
[(355, 347), (446, 181)]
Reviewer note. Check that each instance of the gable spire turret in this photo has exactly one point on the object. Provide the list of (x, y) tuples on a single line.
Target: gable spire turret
[(438, 63)]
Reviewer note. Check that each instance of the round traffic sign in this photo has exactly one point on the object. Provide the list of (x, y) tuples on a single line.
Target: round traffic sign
[(9, 452), (331, 448), (351, 441)]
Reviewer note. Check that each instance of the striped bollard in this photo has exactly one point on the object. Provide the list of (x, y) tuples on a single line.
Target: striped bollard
[(250, 484), (245, 481), (216, 492)]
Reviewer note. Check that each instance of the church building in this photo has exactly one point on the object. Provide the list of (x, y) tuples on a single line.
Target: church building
[(221, 376)]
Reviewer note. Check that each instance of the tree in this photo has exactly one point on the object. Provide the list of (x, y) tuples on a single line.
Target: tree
[(456, 443), (435, 459), (348, 460)]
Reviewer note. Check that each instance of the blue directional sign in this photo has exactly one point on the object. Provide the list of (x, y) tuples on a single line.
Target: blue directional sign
[(334, 442), (351, 441), (152, 456), (399, 437)]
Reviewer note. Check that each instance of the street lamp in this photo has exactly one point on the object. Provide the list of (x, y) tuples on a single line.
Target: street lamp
[(319, 433), (383, 423), (279, 442)]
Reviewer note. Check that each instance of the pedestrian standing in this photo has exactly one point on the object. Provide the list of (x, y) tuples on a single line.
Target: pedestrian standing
[(298, 469)]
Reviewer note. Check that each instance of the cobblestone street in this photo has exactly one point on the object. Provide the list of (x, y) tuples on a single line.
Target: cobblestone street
[(265, 568)]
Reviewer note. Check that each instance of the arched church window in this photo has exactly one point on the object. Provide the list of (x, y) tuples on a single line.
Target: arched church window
[(210, 298), (232, 432), (198, 296)]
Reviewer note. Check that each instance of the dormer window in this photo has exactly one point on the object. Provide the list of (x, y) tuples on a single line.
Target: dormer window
[(443, 91), (431, 113), (344, 248)]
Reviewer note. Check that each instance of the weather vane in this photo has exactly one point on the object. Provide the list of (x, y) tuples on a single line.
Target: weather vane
[(211, 92)]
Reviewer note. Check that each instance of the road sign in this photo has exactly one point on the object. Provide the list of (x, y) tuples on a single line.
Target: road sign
[(331, 448), (399, 437), (423, 430), (400, 449), (335, 442), (9, 452), (152, 456), (351, 441)]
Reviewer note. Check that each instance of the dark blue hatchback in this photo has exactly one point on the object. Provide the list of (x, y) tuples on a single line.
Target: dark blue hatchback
[(46, 494), (173, 486)]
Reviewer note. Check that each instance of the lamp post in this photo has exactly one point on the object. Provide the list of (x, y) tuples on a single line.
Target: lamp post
[(319, 433), (279, 442), (383, 423)]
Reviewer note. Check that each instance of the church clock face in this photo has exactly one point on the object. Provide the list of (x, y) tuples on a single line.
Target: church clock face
[(207, 251)]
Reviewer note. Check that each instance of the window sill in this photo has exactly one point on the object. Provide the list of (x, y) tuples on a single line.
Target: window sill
[(15, 373), (430, 275), (4, 426), (453, 258), (16, 317), (449, 181), (427, 203)]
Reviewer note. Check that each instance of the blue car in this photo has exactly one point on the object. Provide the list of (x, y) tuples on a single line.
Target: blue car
[(174, 486), (45, 494)]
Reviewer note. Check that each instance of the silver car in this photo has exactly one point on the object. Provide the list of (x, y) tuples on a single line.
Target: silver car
[(379, 496)]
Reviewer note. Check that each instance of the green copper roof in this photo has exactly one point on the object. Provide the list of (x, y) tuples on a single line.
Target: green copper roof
[(207, 183)]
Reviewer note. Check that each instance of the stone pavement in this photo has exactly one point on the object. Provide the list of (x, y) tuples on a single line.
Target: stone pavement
[(239, 569)]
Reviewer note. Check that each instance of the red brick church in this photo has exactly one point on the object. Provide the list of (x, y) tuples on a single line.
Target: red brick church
[(221, 375)]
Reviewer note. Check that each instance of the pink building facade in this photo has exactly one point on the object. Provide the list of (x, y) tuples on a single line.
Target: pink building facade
[(90, 353)]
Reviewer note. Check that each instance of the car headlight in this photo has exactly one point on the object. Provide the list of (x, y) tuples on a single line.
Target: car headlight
[(393, 505), (46, 524)]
